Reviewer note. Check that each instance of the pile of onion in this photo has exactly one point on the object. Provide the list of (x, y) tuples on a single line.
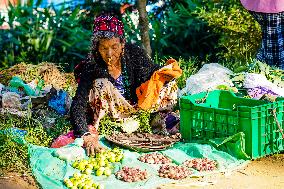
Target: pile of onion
[(154, 158), (130, 174), (201, 164), (174, 172)]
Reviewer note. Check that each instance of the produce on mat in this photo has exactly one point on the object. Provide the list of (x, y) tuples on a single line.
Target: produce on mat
[(81, 181), (139, 121), (201, 164), (174, 172), (130, 174), (101, 164), (154, 158)]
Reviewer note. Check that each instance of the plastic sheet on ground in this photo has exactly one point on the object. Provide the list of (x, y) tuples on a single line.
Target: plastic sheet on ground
[(50, 171)]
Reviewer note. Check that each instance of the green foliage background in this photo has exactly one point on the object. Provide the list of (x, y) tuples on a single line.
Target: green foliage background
[(211, 30), (193, 31)]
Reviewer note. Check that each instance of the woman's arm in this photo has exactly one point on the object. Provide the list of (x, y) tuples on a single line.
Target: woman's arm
[(78, 110)]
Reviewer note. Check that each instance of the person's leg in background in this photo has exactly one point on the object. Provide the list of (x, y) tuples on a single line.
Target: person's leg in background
[(272, 47)]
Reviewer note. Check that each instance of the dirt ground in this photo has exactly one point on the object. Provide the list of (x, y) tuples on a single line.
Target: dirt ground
[(265, 173)]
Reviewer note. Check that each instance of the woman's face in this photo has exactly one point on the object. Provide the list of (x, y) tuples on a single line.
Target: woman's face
[(111, 49)]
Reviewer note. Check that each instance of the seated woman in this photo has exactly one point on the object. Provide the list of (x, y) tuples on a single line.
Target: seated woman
[(108, 79)]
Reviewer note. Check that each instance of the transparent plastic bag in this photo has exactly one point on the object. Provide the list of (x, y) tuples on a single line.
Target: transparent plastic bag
[(11, 100), (72, 151), (207, 78)]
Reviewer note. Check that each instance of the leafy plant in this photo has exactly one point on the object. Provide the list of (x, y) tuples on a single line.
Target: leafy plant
[(61, 126), (13, 153), (178, 32), (239, 33), (188, 67), (43, 34)]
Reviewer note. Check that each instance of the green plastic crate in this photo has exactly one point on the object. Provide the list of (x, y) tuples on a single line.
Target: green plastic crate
[(223, 114)]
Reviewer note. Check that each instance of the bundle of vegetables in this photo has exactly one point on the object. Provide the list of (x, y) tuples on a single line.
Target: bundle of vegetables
[(13, 155), (50, 73), (19, 69), (174, 172), (130, 174), (101, 164), (201, 164), (81, 181), (154, 158), (139, 122), (108, 126), (273, 74)]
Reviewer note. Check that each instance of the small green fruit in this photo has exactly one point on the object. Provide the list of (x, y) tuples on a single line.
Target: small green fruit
[(69, 184), (81, 166), (66, 180), (118, 158), (76, 175), (112, 159), (107, 172), (88, 171), (102, 163), (89, 166), (75, 164)]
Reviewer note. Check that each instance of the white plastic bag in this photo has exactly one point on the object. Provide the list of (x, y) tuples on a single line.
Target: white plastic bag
[(11, 100), (72, 151), (207, 78), (253, 80)]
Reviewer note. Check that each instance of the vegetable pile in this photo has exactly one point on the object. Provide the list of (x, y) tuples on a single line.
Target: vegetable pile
[(154, 158), (174, 172), (130, 174), (139, 121), (101, 164), (201, 164), (81, 181)]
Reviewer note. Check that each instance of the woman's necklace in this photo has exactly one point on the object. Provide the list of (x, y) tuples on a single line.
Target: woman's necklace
[(126, 81)]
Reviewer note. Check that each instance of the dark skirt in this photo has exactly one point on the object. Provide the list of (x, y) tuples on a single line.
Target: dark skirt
[(272, 47)]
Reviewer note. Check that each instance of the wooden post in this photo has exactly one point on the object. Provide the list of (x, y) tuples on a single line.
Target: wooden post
[(144, 26)]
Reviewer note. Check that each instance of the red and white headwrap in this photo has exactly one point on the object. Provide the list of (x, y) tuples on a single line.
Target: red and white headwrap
[(108, 24)]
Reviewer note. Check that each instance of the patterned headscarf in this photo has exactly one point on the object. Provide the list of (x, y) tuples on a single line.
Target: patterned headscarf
[(108, 23), (106, 26)]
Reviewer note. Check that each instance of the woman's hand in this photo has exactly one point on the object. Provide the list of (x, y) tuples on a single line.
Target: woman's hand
[(91, 142)]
